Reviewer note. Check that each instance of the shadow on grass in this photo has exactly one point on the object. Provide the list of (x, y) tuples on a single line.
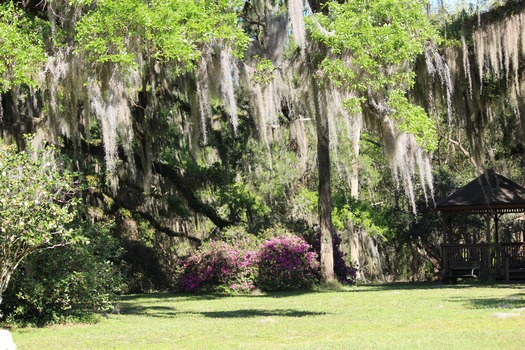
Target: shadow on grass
[(465, 284), (246, 313), (379, 287), (514, 301), (166, 296), (169, 312)]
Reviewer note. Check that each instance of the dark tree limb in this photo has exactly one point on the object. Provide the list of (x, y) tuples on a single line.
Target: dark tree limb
[(155, 223), (169, 173), (193, 202)]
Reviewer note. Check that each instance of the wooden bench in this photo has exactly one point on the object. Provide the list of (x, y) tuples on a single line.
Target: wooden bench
[(461, 268)]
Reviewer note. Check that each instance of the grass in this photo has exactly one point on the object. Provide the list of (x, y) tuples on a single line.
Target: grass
[(394, 316)]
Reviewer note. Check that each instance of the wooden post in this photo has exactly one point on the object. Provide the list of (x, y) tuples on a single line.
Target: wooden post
[(496, 235), (447, 228), (488, 232), (507, 274)]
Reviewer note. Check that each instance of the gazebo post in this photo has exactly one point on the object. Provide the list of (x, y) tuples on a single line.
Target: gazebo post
[(488, 231), (447, 228), (496, 235)]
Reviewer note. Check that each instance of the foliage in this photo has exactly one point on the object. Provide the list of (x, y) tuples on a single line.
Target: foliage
[(378, 34), (220, 266), (413, 119), (171, 30), (37, 206), (372, 46), (234, 235), (22, 54), (307, 200), (241, 201), (276, 179), (275, 231), (287, 263), (263, 70), (372, 219), (68, 283)]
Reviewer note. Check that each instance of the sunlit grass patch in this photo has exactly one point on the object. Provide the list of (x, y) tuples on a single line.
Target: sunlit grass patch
[(394, 316)]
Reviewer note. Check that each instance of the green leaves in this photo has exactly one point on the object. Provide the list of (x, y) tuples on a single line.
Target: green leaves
[(371, 53), (22, 48), (108, 33), (414, 120), (37, 203), (165, 30), (263, 71), (373, 41), (361, 213)]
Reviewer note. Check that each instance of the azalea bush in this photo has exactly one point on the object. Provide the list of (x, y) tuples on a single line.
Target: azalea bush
[(240, 263), (287, 263), (220, 266)]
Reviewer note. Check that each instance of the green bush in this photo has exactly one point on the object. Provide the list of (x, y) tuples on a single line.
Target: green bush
[(69, 283), (38, 205)]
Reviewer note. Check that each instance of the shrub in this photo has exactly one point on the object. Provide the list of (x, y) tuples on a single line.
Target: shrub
[(220, 266), (65, 284), (237, 263), (287, 263), (344, 272), (38, 206)]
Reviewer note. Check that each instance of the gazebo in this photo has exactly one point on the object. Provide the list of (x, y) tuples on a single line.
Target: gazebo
[(491, 195)]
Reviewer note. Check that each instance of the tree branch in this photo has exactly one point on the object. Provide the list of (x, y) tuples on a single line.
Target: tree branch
[(465, 152), (154, 222), (193, 202), (172, 176)]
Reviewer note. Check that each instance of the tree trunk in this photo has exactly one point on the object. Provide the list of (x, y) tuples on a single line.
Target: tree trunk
[(325, 191), (354, 178), (5, 277)]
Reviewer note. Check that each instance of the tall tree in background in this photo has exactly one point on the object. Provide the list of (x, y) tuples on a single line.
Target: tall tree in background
[(362, 55)]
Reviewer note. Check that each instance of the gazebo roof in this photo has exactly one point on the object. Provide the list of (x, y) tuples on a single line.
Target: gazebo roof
[(489, 193)]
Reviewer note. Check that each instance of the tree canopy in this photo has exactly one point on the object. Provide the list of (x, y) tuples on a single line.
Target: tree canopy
[(340, 120)]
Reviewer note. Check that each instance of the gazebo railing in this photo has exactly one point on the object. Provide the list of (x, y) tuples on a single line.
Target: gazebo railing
[(471, 260), (513, 258), (514, 249), (487, 260)]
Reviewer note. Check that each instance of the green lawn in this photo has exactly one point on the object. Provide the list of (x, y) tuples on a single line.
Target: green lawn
[(399, 316)]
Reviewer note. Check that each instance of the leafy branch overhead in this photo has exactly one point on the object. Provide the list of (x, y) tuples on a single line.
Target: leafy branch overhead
[(372, 49), (173, 31), (22, 55)]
